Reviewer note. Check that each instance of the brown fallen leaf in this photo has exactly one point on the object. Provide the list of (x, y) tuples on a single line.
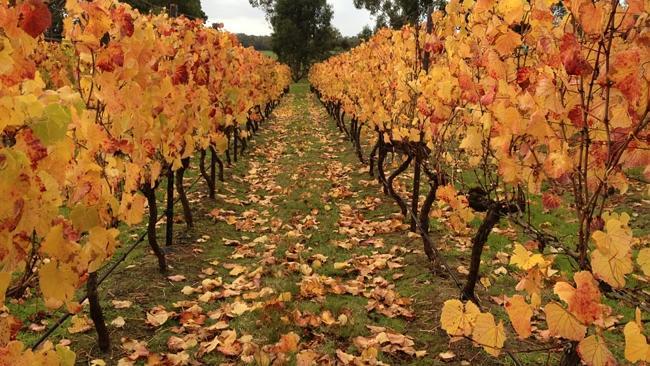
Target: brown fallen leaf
[(288, 343), (121, 304), (447, 356), (118, 322), (158, 316), (176, 278), (80, 324), (345, 358)]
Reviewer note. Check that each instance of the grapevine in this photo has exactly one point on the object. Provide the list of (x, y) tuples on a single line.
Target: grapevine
[(91, 125), (502, 104)]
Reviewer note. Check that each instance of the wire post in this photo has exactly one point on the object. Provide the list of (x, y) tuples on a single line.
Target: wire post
[(172, 10)]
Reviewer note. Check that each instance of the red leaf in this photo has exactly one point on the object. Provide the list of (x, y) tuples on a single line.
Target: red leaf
[(574, 62), (523, 76), (576, 116), (551, 201), (181, 76), (110, 58), (36, 17), (125, 20)]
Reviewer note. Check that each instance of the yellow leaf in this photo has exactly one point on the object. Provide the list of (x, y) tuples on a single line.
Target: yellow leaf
[(84, 217), (5, 278), (58, 283), (593, 352), (488, 334), (327, 317), (507, 42), (511, 10), (636, 345), (473, 139), (101, 245), (121, 304), (239, 308), (65, 355), (132, 208), (306, 358), (458, 319), (562, 324), (524, 259), (341, 265), (157, 318), (80, 324), (611, 267), (345, 358), (520, 313), (57, 246), (237, 270), (643, 260), (564, 291)]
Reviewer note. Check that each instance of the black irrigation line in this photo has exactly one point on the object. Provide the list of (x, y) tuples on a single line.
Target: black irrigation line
[(110, 270)]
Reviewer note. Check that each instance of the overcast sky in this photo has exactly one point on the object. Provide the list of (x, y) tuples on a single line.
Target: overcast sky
[(239, 16)]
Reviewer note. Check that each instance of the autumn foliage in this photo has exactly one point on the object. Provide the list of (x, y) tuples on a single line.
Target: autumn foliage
[(539, 103), (88, 122)]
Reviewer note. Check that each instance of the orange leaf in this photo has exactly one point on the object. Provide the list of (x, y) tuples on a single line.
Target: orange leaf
[(563, 324), (488, 334), (520, 313), (593, 352)]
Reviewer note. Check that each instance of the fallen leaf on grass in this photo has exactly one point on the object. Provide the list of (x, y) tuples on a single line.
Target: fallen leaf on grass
[(158, 316), (176, 278), (306, 358), (288, 343), (121, 304), (346, 358), (37, 327), (136, 348), (118, 322), (176, 344), (447, 356), (80, 324), (188, 290)]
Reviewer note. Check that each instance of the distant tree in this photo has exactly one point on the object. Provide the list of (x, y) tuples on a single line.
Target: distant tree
[(260, 43), (302, 32), (267, 5), (190, 8), (344, 43), (365, 33), (397, 13)]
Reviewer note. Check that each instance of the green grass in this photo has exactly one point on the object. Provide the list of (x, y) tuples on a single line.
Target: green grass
[(307, 136), (271, 54)]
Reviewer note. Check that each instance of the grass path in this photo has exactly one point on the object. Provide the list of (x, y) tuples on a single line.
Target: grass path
[(301, 259)]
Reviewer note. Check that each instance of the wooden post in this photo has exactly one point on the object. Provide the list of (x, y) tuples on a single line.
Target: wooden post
[(172, 10)]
